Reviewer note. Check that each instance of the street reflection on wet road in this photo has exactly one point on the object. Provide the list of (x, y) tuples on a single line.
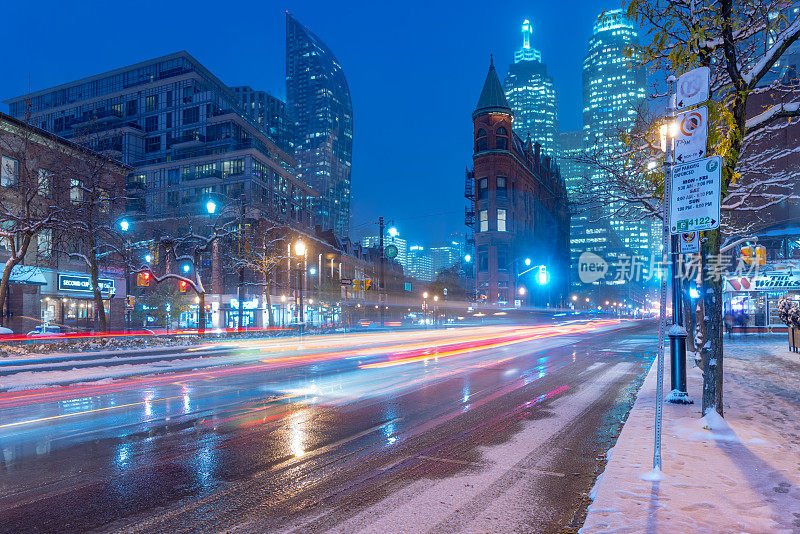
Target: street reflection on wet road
[(288, 426)]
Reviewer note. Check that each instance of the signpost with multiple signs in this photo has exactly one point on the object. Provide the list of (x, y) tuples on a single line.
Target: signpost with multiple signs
[(695, 195)]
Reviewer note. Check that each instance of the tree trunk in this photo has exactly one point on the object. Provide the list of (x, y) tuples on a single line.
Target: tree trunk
[(268, 300), (10, 264), (201, 318), (712, 347), (98, 297)]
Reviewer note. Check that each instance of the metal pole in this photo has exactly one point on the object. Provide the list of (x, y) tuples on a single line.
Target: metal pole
[(240, 287), (663, 293), (381, 280), (677, 332)]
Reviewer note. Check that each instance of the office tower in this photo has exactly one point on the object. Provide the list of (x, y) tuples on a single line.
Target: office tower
[(319, 100), (532, 96)]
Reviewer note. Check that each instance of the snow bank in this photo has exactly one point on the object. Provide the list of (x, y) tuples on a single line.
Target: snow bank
[(737, 474)]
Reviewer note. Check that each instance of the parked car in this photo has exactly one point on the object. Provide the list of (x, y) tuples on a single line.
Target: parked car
[(45, 330)]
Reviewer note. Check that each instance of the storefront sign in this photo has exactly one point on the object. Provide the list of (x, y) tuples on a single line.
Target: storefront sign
[(83, 284), (765, 282)]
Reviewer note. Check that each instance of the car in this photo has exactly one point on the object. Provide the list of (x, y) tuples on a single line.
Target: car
[(45, 330)]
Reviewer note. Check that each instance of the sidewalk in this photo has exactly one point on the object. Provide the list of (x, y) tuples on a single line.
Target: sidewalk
[(742, 475)]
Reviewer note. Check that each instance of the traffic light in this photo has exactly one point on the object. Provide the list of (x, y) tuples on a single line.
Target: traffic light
[(182, 286), (142, 279), (367, 284), (747, 255), (761, 255), (542, 276)]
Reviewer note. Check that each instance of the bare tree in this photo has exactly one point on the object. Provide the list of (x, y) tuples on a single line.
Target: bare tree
[(94, 201), (263, 254), (740, 41), (188, 249), (28, 183)]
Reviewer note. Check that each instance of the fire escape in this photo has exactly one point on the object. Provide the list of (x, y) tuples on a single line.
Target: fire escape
[(469, 210)]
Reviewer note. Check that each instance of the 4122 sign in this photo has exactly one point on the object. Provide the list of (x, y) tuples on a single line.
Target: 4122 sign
[(695, 199)]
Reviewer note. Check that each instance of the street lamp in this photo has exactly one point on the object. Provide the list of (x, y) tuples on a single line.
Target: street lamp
[(187, 267), (148, 258), (521, 290), (300, 251), (211, 207), (393, 232), (467, 258), (527, 262), (124, 225)]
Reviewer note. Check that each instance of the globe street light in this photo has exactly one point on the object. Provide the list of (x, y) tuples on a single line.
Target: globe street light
[(124, 225), (187, 267), (211, 207), (467, 258), (148, 258), (300, 248), (393, 232), (527, 262)]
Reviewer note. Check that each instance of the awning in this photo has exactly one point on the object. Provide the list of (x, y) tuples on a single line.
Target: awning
[(26, 274)]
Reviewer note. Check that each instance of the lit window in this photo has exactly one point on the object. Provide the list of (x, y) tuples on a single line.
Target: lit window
[(9, 171), (75, 191), (501, 220), (484, 220)]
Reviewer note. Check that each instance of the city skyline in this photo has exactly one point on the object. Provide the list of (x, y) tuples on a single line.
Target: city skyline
[(396, 67)]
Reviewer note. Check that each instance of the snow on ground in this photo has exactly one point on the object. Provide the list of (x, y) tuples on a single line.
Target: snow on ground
[(737, 474)]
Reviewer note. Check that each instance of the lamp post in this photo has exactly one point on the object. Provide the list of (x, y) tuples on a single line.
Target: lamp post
[(425, 308), (124, 226), (300, 251)]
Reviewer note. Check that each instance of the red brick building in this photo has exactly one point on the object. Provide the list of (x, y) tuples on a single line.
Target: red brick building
[(521, 215)]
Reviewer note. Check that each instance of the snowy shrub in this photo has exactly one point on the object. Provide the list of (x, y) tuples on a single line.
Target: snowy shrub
[(789, 312)]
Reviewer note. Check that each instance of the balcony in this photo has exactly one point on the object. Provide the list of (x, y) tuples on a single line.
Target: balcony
[(190, 140)]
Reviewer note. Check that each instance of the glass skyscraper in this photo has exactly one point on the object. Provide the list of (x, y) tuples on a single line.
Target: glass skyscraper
[(319, 99), (532, 96), (613, 92), (270, 113)]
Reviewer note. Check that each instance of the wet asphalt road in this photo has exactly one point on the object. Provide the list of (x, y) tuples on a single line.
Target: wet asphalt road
[(502, 438)]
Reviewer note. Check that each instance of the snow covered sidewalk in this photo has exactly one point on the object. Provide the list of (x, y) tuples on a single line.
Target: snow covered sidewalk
[(740, 475)]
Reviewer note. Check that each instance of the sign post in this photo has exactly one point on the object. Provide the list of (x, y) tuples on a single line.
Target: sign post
[(692, 137), (694, 202)]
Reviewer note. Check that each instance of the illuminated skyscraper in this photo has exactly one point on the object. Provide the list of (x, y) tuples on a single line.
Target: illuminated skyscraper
[(319, 99), (613, 92), (532, 96)]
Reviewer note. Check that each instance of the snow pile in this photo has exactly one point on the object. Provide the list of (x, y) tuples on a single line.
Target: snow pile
[(737, 474)]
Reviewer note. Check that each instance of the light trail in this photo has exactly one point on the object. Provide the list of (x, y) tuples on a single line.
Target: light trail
[(399, 348)]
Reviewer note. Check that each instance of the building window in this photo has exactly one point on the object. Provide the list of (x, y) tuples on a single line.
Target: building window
[(484, 221), (130, 107), (191, 115), (151, 124), (232, 167), (44, 242), (501, 139), (502, 257), (480, 143), (501, 187), (483, 188), (501, 220), (45, 182), (483, 258), (153, 144), (151, 103), (168, 120), (75, 191), (9, 173)]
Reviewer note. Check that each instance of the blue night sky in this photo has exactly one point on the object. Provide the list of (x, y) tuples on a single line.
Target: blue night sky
[(415, 72)]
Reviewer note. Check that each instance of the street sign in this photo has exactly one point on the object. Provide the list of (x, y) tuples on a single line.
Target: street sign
[(391, 251), (693, 87), (695, 195), (346, 281), (692, 137), (689, 243)]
